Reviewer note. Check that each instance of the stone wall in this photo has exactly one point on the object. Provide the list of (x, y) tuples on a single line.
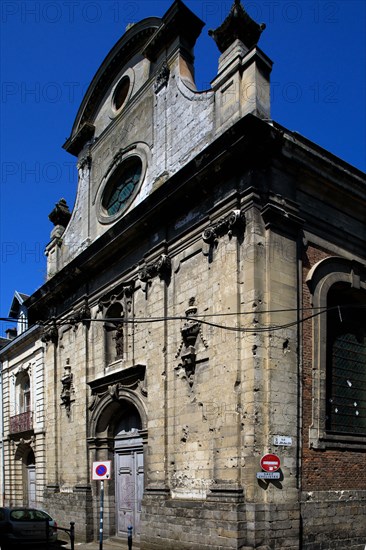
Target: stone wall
[(333, 520), (76, 506), (218, 525), (188, 524)]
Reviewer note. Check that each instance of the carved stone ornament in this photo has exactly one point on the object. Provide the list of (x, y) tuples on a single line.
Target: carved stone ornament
[(238, 25), (162, 267), (94, 400), (85, 162), (162, 78), (50, 334), (24, 368), (235, 221), (29, 441), (115, 307), (61, 214), (119, 340), (190, 331), (121, 294), (142, 387), (113, 390), (67, 388), (132, 379), (81, 315)]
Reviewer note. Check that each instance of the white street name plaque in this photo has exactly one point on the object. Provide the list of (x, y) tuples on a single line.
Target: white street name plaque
[(268, 475), (284, 440)]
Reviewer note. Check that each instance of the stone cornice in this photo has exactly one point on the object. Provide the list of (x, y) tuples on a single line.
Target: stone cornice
[(282, 217), (249, 147), (127, 376), (76, 142), (23, 340)]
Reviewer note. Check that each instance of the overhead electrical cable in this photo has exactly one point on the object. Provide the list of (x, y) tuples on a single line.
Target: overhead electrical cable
[(202, 319)]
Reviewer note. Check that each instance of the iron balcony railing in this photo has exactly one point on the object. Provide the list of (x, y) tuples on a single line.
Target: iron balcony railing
[(21, 422)]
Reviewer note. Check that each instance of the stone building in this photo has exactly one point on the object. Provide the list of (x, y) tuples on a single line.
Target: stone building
[(203, 308), (23, 409)]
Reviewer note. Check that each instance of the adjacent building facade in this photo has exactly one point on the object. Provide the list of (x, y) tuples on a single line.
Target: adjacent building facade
[(23, 410), (204, 307)]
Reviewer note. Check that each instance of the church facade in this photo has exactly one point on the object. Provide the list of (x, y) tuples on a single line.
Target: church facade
[(203, 309)]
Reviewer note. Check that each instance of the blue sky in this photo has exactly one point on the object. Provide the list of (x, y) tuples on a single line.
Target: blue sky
[(51, 49)]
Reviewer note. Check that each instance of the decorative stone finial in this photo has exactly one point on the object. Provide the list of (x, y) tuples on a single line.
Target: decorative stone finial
[(237, 25), (61, 214)]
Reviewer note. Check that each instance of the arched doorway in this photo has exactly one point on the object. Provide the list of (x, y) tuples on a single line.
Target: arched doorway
[(30, 469), (118, 432), (129, 469), (25, 476)]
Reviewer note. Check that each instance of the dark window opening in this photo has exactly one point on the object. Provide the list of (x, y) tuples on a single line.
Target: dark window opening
[(346, 361), (129, 421), (121, 93)]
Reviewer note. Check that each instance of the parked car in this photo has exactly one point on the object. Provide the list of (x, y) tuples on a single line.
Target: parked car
[(22, 526)]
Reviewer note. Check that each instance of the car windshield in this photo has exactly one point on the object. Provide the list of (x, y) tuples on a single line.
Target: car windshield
[(28, 515)]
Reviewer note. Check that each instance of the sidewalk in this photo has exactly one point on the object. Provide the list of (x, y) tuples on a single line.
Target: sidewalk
[(110, 544)]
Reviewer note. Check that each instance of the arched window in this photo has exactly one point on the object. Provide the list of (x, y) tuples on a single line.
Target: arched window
[(23, 393), (338, 288), (346, 360), (122, 186)]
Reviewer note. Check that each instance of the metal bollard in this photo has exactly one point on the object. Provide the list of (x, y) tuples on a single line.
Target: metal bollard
[(72, 534), (129, 536)]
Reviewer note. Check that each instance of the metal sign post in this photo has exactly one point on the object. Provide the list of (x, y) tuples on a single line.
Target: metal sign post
[(101, 515), (101, 471), (129, 537)]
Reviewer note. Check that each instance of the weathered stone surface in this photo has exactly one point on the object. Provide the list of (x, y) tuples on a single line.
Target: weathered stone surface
[(177, 320)]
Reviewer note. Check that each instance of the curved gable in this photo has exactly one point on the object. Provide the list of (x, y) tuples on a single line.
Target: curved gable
[(130, 44)]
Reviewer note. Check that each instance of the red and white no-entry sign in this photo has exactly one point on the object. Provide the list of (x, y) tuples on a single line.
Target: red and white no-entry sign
[(270, 463)]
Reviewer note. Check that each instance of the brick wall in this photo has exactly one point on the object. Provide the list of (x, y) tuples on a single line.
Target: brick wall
[(333, 503), (331, 469)]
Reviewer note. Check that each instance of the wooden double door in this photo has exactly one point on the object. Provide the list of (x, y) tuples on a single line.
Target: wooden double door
[(129, 476)]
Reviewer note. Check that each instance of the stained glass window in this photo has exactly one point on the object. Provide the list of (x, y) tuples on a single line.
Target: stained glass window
[(122, 185)]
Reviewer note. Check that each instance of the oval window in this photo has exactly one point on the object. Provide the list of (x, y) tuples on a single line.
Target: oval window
[(122, 186), (121, 92)]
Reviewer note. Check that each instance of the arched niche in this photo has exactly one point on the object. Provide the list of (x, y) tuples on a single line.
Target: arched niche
[(111, 408)]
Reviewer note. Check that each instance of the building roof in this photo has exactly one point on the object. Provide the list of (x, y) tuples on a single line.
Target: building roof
[(18, 300)]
